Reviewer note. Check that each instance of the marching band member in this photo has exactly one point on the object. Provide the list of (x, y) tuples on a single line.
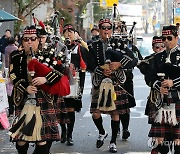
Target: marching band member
[(78, 58), (108, 96), (36, 116), (80, 40), (43, 37), (128, 84), (146, 67), (165, 79)]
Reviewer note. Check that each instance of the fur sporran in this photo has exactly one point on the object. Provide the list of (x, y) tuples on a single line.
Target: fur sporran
[(107, 96), (166, 115), (28, 125)]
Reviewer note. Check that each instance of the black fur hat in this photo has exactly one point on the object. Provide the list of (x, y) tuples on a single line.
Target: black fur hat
[(168, 30)]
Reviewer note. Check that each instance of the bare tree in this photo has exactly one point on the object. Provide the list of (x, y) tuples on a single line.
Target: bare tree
[(23, 8)]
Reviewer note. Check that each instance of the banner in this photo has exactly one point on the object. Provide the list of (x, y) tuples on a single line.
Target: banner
[(176, 19), (108, 3), (3, 95)]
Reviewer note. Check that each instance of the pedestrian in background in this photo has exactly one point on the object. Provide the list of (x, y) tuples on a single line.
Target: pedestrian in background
[(95, 34), (17, 38), (9, 86), (3, 45)]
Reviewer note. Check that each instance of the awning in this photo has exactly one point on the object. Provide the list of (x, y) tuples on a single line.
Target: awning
[(5, 16)]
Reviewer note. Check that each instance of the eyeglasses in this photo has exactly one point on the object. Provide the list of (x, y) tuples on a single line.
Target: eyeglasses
[(106, 27), (169, 38), (26, 39)]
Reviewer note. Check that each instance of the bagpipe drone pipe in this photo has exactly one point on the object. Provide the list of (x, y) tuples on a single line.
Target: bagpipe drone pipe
[(118, 50), (118, 45)]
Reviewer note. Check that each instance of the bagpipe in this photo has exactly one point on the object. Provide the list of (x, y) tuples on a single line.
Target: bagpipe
[(38, 22), (45, 62), (118, 41)]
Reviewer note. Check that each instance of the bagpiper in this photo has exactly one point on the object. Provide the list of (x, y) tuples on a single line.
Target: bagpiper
[(108, 95), (77, 56), (36, 75), (165, 81)]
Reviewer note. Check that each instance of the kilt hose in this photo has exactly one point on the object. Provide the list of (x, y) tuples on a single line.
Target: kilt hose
[(121, 102)]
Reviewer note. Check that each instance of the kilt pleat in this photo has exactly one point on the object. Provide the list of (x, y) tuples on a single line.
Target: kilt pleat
[(165, 131)]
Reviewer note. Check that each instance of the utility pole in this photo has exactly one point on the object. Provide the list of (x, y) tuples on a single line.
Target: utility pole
[(91, 14), (166, 12)]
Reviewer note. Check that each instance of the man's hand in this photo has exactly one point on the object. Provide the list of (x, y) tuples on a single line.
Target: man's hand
[(31, 89), (114, 65), (38, 81), (167, 83), (107, 72), (163, 91)]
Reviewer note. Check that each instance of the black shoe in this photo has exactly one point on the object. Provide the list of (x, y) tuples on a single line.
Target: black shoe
[(126, 134), (100, 140), (70, 142), (112, 148), (63, 137)]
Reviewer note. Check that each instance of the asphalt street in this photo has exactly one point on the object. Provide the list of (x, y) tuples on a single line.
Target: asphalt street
[(85, 132)]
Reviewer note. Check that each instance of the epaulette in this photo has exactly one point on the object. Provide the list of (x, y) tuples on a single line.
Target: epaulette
[(91, 44), (16, 53), (147, 57)]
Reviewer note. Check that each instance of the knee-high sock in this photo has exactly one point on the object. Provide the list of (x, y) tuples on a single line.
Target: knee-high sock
[(114, 128), (42, 149), (22, 149), (163, 149), (177, 149), (49, 143), (63, 128), (125, 120), (98, 122), (70, 126)]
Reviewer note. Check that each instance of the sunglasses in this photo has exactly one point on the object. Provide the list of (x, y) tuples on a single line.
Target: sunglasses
[(169, 38), (26, 39), (106, 27), (157, 47)]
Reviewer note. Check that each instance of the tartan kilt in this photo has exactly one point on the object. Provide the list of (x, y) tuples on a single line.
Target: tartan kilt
[(51, 116), (121, 102), (61, 110), (165, 130), (150, 111)]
